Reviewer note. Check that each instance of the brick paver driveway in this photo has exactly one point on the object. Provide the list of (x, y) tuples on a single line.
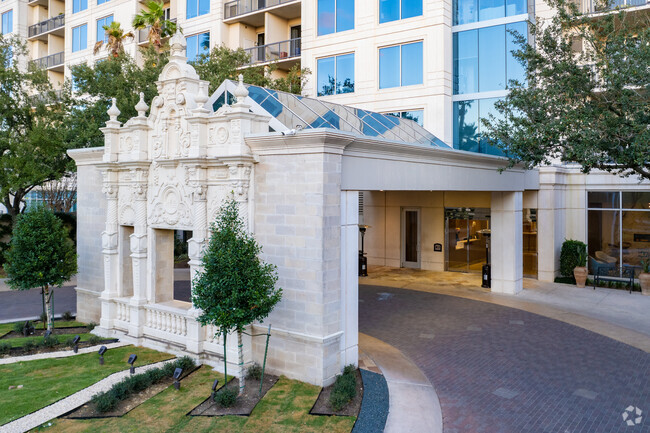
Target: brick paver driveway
[(498, 369)]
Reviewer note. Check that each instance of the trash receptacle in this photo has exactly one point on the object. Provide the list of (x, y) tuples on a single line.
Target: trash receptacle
[(363, 265), (486, 277)]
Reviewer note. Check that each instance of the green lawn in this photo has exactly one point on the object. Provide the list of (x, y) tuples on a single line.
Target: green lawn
[(48, 380), (284, 409), (5, 328), (16, 342)]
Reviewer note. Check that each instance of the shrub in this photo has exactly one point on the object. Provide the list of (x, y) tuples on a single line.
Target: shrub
[(104, 402), (5, 348), (94, 340), (50, 341), (18, 327), (226, 397), (573, 254), (29, 346), (91, 326), (254, 372), (67, 316), (345, 388)]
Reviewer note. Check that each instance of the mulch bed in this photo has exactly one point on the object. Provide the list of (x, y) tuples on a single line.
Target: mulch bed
[(88, 410), (322, 406), (19, 351), (56, 331), (245, 402)]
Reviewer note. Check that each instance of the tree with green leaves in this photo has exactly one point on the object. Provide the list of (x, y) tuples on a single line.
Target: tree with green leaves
[(153, 18), (587, 95), (116, 37), (40, 255), (223, 63), (234, 288), (32, 136)]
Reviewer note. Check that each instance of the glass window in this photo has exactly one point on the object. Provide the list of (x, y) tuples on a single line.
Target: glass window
[(471, 11), (514, 69), (400, 65), (197, 8), (335, 16), (466, 132), (636, 200), (391, 10), (415, 115), (515, 7), (485, 109), (197, 45), (101, 33), (79, 5), (491, 58), (491, 9), (465, 11), (8, 22), (79, 38), (465, 62), (603, 200), (335, 75), (101, 2)]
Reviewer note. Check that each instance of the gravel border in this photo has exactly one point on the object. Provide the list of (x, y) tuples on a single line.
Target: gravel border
[(374, 407), (71, 402), (59, 354)]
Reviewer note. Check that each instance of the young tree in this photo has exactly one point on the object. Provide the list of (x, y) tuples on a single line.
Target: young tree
[(235, 288), (40, 255), (32, 144), (116, 39), (587, 96), (154, 18)]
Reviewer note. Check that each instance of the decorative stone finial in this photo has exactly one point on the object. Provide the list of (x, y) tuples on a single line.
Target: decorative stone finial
[(141, 107), (113, 112), (177, 45), (240, 91)]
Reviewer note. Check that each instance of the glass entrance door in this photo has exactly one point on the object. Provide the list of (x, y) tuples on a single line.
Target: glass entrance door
[(467, 232), (411, 238)]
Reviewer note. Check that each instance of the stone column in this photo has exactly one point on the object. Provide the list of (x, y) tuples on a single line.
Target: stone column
[(239, 175), (349, 277), (506, 252), (195, 252), (110, 252), (139, 251), (551, 216)]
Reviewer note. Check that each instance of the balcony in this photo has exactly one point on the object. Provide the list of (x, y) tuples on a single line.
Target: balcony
[(285, 53), (251, 12), (597, 6), (52, 62), (143, 34), (37, 3), (52, 25)]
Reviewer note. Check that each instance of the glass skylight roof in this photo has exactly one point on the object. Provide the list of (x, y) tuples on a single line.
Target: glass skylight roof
[(289, 111)]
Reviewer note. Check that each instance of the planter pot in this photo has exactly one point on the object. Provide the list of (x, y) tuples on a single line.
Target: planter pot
[(644, 280), (580, 274)]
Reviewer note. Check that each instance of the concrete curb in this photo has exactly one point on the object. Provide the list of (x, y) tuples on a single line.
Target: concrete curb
[(413, 403), (59, 354), (71, 402)]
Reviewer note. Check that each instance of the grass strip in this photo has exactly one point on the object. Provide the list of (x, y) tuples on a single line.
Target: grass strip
[(48, 380)]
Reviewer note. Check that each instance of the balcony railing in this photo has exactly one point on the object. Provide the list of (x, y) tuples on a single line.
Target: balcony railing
[(240, 7), (590, 6), (47, 25), (143, 34), (275, 52), (49, 61)]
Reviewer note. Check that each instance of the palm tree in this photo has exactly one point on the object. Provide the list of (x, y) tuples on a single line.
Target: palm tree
[(116, 39), (154, 19)]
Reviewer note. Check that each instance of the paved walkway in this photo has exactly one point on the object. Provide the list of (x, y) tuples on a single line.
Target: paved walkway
[(71, 402), (59, 354), (500, 369)]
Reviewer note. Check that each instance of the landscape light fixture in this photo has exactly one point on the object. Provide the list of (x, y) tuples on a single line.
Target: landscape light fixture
[(75, 342), (131, 361), (214, 388), (47, 333), (101, 352), (177, 375)]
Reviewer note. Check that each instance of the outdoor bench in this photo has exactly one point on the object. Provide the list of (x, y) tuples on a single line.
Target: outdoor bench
[(621, 275)]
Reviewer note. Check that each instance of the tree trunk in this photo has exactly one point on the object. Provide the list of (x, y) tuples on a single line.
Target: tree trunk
[(48, 306), (225, 359), (240, 353)]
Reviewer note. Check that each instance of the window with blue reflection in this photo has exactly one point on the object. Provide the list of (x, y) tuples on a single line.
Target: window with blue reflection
[(8, 22), (392, 10), (468, 127), (101, 33), (516, 70), (80, 38), (465, 62), (197, 8), (79, 5), (415, 115), (491, 58), (400, 65), (335, 16), (471, 11), (101, 2), (197, 45), (485, 109), (335, 75)]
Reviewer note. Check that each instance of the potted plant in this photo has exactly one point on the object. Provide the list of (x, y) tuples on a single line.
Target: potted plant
[(580, 271), (644, 277)]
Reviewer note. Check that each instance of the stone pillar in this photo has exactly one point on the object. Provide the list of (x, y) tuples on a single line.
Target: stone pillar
[(507, 242), (110, 252), (551, 224), (239, 175), (139, 251), (195, 249), (349, 277)]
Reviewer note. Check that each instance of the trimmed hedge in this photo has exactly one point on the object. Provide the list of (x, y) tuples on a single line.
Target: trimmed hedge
[(107, 401), (345, 388), (573, 253)]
